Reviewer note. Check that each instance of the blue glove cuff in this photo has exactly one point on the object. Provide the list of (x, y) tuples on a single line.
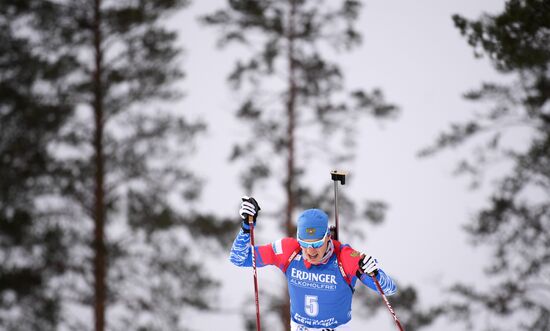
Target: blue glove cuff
[(245, 226)]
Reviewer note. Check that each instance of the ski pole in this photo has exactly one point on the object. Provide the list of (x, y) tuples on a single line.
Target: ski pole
[(387, 302), (256, 294), (341, 177)]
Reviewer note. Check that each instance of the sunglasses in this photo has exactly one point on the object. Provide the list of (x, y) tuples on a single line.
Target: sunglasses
[(313, 244)]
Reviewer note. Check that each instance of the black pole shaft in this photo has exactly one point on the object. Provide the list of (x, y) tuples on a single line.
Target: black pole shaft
[(337, 176), (336, 209)]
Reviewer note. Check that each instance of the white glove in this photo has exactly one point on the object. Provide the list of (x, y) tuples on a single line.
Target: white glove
[(248, 207), (369, 265)]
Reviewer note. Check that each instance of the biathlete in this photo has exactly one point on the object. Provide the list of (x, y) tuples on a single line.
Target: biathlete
[(320, 271)]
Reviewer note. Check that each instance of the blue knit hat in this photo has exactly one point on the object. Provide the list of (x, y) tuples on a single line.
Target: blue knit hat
[(312, 224)]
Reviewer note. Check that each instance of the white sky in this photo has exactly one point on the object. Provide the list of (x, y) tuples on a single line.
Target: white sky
[(413, 52)]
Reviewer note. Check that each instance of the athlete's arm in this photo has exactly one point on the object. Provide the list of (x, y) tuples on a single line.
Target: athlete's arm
[(241, 254), (386, 283), (271, 254)]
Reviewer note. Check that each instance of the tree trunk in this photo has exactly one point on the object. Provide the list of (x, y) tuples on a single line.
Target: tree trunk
[(291, 117), (99, 205)]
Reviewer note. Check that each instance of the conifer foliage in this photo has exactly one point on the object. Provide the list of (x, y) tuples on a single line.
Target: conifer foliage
[(94, 215), (515, 222), (32, 253)]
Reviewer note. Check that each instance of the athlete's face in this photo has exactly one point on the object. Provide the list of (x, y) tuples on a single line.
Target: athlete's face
[(314, 255)]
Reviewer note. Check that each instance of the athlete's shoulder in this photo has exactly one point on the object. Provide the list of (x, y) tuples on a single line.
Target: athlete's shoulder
[(283, 251), (349, 258), (285, 246), (348, 252)]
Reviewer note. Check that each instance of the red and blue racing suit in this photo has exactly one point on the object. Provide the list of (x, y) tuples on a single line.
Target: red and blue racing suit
[(320, 295)]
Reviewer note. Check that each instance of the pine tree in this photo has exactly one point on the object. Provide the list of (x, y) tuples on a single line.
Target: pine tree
[(296, 107), (115, 163), (515, 223)]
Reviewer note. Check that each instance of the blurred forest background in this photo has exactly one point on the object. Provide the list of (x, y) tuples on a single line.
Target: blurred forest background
[(106, 224)]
